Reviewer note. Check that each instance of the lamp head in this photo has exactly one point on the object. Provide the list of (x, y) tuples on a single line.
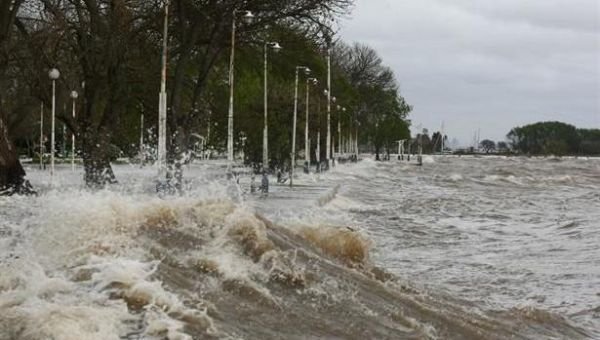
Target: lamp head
[(275, 47), (74, 94), (248, 17), (333, 99), (303, 68), (53, 74)]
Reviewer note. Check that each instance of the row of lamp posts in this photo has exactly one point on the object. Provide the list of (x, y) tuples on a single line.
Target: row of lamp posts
[(54, 75), (248, 17)]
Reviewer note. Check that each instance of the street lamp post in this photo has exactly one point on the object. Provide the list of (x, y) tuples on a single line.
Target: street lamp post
[(74, 96), (293, 153), (328, 93), (53, 74), (331, 145), (248, 17), (162, 99), (142, 154), (314, 81), (275, 47), (339, 129), (356, 142), (41, 136), (400, 146), (318, 148)]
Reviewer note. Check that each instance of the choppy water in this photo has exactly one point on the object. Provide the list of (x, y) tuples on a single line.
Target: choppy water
[(480, 248)]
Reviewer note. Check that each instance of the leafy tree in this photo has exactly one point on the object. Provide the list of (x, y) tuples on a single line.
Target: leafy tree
[(488, 145), (502, 146), (545, 138), (373, 93), (590, 141), (110, 52)]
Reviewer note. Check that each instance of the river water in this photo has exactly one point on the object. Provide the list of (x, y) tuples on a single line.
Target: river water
[(460, 248)]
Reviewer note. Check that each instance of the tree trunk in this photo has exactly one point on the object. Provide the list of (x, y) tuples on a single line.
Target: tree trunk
[(96, 159), (12, 175)]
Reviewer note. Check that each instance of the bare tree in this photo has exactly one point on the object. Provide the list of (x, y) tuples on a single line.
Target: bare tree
[(12, 175)]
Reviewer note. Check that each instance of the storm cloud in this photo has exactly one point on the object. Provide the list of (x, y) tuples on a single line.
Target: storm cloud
[(488, 64)]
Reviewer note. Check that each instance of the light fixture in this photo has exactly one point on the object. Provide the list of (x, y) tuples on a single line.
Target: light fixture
[(248, 17), (53, 74), (275, 46)]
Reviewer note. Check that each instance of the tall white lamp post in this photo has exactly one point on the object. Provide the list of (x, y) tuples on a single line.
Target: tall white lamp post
[(339, 129), (332, 145), (309, 81), (162, 99), (293, 153), (53, 74), (74, 96), (142, 156), (356, 141), (328, 94), (41, 136), (248, 17), (275, 47)]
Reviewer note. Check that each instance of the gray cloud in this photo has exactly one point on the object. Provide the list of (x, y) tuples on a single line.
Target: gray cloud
[(492, 65)]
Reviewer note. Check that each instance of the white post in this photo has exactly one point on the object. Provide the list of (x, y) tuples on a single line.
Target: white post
[(162, 100), (266, 127), (349, 141), (306, 140), (42, 136), (230, 114), (339, 131), (328, 142), (73, 141), (293, 154), (356, 143), (52, 138), (142, 156)]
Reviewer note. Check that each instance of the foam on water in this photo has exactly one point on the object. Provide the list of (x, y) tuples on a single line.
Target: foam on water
[(124, 264)]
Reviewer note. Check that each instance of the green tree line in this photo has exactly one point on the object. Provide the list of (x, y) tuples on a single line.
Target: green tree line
[(109, 51), (554, 138)]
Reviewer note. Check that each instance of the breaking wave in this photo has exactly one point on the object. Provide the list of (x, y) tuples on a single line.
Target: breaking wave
[(112, 265)]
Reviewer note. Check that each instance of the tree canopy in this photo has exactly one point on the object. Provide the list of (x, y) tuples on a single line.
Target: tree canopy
[(554, 138), (109, 51)]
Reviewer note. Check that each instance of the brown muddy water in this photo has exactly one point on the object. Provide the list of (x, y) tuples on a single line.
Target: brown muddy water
[(456, 249)]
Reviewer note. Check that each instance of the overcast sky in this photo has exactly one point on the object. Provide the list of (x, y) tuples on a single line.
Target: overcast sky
[(488, 64)]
